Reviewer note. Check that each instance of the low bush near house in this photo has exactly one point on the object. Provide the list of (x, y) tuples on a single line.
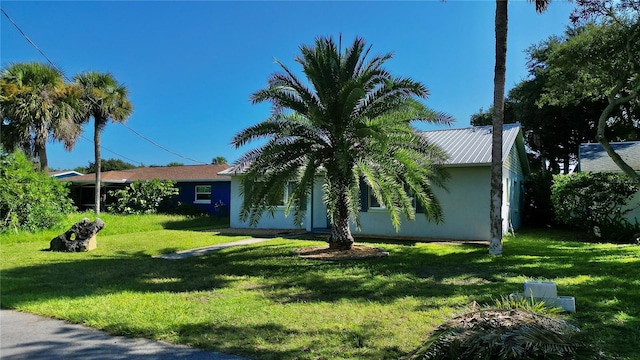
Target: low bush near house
[(29, 200), (597, 203), (143, 197)]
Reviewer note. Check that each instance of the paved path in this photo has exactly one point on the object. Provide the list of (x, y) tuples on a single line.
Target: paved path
[(27, 336), (208, 249)]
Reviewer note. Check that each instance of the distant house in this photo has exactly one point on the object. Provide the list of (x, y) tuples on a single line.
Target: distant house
[(64, 174), (593, 158), (465, 204), (199, 185)]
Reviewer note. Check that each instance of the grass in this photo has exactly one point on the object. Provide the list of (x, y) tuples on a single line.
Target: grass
[(262, 302)]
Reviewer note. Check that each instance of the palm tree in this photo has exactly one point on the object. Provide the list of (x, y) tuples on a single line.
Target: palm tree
[(218, 160), (105, 99), (37, 105), (352, 124), (495, 213)]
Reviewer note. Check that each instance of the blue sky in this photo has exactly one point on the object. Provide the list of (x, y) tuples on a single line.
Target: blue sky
[(190, 67)]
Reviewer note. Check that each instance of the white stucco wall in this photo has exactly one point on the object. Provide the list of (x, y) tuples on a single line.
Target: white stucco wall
[(512, 191), (465, 208), (277, 221)]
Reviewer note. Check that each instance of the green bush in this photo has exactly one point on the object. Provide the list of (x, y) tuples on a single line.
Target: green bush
[(595, 202), (29, 199), (538, 207), (143, 197)]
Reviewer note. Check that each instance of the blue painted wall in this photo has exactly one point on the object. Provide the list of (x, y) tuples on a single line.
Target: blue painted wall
[(220, 192)]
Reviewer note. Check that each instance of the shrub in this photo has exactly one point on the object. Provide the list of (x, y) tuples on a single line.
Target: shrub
[(143, 197), (29, 199), (538, 206), (595, 202)]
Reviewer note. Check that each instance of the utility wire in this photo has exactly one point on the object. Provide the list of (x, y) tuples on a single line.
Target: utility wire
[(160, 146), (31, 42), (93, 100), (113, 152)]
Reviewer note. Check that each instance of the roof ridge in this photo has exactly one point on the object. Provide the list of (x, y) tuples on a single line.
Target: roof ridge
[(479, 127)]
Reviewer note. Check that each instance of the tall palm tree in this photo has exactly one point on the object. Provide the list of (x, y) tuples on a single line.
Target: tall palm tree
[(350, 123), (105, 99), (495, 213), (38, 105)]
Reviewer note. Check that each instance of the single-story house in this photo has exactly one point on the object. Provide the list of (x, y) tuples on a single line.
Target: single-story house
[(592, 157), (465, 205), (199, 185)]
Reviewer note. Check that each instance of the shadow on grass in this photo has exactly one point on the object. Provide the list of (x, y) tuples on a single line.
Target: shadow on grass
[(198, 223), (600, 278), (255, 341)]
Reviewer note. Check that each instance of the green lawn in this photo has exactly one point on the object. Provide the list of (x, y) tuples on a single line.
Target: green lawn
[(265, 303)]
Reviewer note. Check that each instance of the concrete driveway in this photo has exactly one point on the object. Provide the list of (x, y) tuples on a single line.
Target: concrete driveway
[(27, 336)]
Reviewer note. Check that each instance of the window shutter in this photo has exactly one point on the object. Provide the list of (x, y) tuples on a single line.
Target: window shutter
[(364, 196)]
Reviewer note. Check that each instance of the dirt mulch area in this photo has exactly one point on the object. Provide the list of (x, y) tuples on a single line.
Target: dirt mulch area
[(356, 252)]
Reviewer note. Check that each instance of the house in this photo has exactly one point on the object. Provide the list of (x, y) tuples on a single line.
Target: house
[(592, 157), (465, 205), (199, 185)]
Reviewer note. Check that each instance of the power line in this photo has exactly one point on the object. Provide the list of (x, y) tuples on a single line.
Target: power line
[(113, 152), (31, 42), (160, 146), (93, 100)]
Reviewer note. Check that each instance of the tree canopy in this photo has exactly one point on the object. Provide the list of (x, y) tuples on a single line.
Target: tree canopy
[(599, 61), (107, 165), (37, 105), (219, 160)]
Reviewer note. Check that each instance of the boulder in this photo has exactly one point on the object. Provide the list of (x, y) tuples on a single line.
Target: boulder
[(80, 237)]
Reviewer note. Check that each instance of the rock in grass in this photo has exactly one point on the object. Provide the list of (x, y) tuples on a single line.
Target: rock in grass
[(80, 237)]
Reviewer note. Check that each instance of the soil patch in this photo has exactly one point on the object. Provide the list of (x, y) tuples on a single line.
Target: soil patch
[(356, 252)]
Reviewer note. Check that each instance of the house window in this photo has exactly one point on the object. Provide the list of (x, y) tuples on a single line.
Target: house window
[(375, 204), (203, 194), (288, 191)]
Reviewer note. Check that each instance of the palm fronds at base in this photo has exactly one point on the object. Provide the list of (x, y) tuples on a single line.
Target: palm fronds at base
[(505, 334)]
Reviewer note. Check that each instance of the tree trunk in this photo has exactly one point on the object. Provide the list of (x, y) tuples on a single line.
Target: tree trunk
[(495, 212), (341, 238), (41, 149), (602, 125), (96, 147)]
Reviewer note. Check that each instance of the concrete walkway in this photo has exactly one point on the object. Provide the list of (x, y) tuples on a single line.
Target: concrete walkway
[(208, 249), (27, 336)]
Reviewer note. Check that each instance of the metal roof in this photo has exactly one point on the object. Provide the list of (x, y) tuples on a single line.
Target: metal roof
[(465, 146), (472, 145), (593, 157)]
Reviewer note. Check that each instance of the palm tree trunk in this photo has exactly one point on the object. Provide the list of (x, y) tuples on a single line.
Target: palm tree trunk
[(495, 213), (341, 238), (41, 150), (96, 147)]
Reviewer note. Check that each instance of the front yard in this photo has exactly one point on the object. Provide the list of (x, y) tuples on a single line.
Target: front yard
[(265, 303)]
